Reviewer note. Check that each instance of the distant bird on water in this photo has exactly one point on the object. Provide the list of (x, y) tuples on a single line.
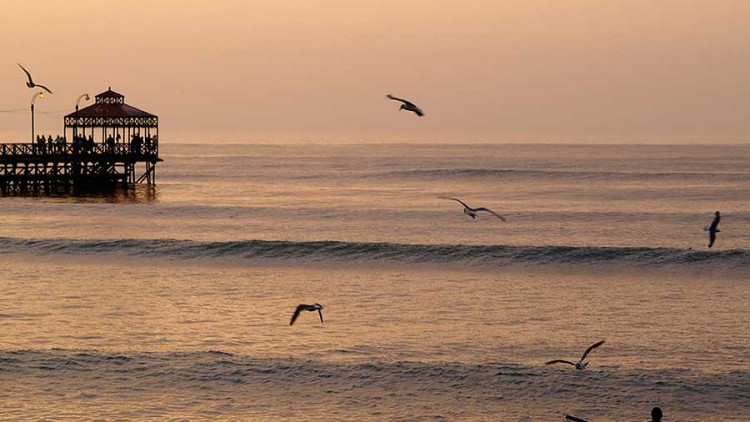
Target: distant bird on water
[(713, 229), (407, 105), (472, 212), (574, 419), (580, 365), (311, 308), (31, 83)]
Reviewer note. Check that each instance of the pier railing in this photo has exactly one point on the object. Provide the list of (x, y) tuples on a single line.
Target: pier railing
[(26, 150)]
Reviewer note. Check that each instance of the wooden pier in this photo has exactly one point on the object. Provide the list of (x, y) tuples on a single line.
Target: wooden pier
[(113, 145)]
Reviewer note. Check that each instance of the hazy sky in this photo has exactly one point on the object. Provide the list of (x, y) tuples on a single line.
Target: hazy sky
[(491, 70)]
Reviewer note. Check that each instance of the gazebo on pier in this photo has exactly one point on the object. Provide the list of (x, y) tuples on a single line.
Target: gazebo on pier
[(106, 145), (120, 129)]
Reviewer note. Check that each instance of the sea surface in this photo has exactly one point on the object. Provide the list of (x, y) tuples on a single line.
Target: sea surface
[(174, 303)]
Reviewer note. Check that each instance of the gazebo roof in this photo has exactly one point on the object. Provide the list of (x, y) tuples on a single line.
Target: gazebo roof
[(110, 109), (110, 94)]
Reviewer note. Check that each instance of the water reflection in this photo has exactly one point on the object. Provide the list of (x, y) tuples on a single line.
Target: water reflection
[(92, 195)]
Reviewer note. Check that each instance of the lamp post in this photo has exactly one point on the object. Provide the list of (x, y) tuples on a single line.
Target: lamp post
[(75, 127), (39, 94)]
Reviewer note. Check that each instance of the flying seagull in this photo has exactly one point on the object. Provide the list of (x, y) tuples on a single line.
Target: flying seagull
[(407, 105), (713, 229), (581, 365), (472, 212), (303, 307), (31, 83)]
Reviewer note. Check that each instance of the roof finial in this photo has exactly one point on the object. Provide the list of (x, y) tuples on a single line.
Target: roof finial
[(110, 88)]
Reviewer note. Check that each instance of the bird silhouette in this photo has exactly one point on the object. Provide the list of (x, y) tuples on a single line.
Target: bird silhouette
[(713, 229), (31, 83), (580, 365), (407, 105), (472, 212), (311, 308)]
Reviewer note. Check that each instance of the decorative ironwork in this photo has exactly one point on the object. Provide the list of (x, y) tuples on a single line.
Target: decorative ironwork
[(110, 97), (112, 122)]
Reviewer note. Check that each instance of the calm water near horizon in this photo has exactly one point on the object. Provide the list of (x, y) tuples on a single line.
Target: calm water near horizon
[(175, 304)]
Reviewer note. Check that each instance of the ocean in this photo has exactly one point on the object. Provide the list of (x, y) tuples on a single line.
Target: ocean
[(173, 303)]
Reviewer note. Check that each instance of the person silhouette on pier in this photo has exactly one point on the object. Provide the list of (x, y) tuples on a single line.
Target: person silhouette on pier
[(42, 144), (60, 141), (135, 144)]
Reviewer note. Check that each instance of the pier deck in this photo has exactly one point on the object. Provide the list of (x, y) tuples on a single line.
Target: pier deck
[(66, 169)]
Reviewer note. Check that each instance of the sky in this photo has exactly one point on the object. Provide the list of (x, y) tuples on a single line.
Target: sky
[(629, 71)]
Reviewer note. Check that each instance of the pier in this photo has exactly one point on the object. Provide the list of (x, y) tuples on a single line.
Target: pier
[(105, 146)]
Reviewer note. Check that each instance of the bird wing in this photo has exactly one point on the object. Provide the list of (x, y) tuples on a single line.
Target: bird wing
[(711, 238), (491, 212), (573, 419), (419, 111), (321, 315), (27, 73), (715, 223), (43, 87), (296, 313), (458, 200), (592, 347), (560, 361), (407, 102)]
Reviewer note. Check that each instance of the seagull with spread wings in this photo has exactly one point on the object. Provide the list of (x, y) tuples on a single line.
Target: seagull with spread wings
[(310, 308), (713, 229), (407, 105), (31, 83), (580, 365), (472, 212)]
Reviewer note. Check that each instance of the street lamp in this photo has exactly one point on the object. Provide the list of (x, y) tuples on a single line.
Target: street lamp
[(75, 127), (39, 94)]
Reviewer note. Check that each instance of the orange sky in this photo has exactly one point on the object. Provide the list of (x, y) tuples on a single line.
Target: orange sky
[(489, 70)]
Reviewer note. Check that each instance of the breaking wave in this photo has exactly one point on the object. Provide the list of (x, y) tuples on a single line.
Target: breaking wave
[(334, 251), (401, 388)]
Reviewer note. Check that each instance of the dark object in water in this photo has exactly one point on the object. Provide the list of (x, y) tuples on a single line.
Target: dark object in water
[(656, 413)]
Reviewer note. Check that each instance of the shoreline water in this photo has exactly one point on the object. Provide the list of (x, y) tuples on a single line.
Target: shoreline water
[(244, 386), (168, 309)]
